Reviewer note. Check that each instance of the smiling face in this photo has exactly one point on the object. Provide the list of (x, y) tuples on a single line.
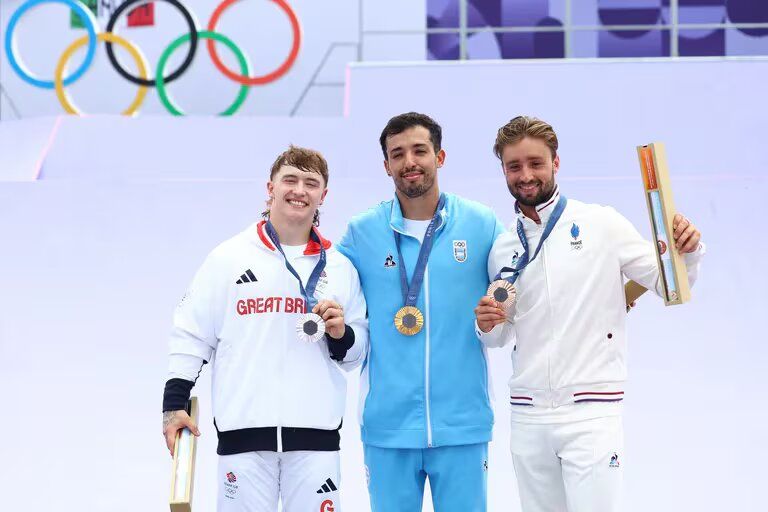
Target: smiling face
[(412, 162), (530, 170), (295, 194)]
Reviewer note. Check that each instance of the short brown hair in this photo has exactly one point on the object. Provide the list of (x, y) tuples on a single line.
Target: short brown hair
[(402, 122), (305, 159), (524, 126)]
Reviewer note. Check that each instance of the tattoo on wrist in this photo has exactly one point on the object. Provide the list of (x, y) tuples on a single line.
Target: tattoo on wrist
[(168, 417)]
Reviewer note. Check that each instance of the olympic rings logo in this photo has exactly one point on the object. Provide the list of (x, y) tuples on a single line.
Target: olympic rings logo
[(110, 38)]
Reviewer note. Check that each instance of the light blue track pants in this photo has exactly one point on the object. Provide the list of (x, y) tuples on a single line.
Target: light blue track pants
[(457, 478)]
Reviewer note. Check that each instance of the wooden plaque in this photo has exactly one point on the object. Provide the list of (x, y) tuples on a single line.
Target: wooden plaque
[(661, 212), (183, 473)]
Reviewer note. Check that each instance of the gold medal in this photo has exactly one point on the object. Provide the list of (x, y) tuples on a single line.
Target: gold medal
[(310, 327), (409, 320), (502, 292)]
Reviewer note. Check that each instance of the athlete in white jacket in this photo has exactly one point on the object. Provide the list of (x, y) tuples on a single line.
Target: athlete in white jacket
[(567, 326), (278, 398)]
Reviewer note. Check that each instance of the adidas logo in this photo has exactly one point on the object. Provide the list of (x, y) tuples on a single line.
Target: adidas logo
[(390, 262), (327, 487), (248, 277)]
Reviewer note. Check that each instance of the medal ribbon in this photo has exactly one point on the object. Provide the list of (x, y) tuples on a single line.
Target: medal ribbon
[(411, 292), (524, 261), (309, 292)]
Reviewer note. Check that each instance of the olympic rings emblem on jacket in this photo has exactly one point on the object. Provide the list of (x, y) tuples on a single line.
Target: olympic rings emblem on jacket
[(110, 38)]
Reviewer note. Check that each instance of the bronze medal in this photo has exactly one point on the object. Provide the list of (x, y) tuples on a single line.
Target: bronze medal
[(503, 292)]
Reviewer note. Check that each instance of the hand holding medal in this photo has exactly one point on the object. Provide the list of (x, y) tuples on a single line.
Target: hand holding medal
[(310, 326), (489, 313), (332, 314), (501, 294)]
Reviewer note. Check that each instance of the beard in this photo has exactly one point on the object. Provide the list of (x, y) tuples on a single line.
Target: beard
[(546, 189), (413, 190)]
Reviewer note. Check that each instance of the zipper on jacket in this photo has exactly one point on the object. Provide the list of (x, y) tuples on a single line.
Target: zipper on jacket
[(425, 286), (551, 321), (426, 356), (281, 380), (427, 348)]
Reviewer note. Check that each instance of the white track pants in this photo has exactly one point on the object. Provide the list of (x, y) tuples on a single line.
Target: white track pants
[(305, 481), (569, 467)]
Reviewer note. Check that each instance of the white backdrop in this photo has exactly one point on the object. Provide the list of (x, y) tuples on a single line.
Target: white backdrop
[(95, 255)]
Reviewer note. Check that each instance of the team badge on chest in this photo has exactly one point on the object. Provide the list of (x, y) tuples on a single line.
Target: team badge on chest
[(576, 244), (460, 250), (322, 286)]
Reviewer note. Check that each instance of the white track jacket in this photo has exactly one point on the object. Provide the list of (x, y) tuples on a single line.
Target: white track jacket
[(240, 314), (568, 327)]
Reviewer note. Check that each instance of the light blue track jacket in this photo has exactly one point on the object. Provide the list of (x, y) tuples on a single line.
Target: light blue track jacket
[(430, 389)]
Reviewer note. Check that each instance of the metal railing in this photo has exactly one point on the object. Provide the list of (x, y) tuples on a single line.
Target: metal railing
[(567, 28), (313, 81)]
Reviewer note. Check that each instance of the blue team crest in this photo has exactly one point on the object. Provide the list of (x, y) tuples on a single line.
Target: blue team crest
[(575, 231), (576, 244), (460, 250)]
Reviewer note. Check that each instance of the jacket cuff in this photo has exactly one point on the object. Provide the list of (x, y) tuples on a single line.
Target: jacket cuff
[(176, 394), (692, 258), (339, 347), (492, 338)]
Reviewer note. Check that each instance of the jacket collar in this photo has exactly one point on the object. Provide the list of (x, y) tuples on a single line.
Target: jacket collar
[(312, 248), (544, 210), (397, 221)]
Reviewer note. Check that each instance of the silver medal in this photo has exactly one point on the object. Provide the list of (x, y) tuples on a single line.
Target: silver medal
[(310, 327)]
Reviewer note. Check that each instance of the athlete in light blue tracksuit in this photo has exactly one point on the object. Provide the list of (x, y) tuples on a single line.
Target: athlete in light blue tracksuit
[(427, 410)]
